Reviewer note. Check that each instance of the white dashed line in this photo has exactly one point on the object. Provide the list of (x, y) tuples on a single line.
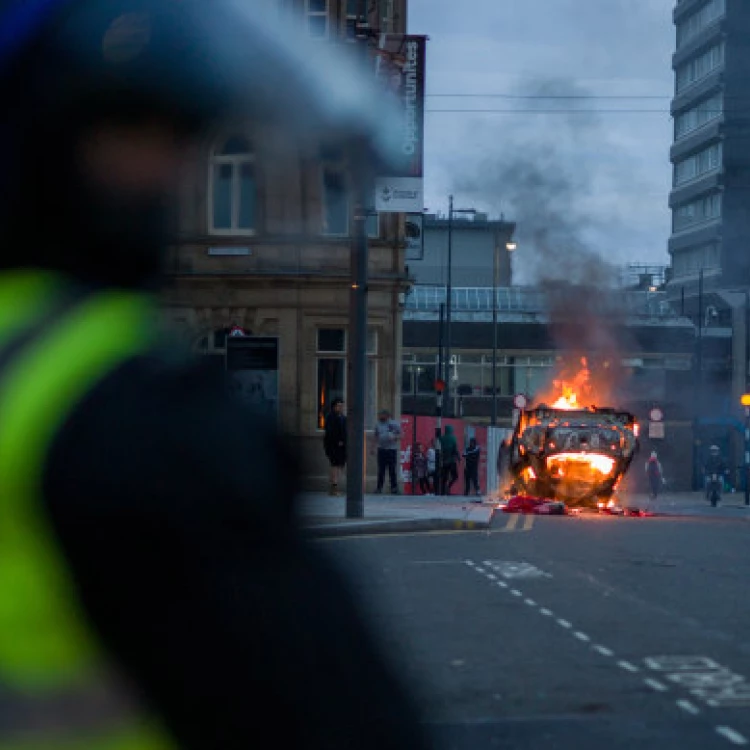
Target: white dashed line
[(502, 584), (492, 576), (530, 602), (564, 623), (546, 612), (734, 737), (627, 666), (516, 592), (470, 563), (688, 707), (581, 636), (656, 685), (604, 651)]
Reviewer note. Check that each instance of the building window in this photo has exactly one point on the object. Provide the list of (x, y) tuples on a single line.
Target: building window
[(699, 67), (691, 261), (697, 165), (695, 23), (335, 197), (317, 18), (697, 116), (331, 372), (233, 188), (696, 212)]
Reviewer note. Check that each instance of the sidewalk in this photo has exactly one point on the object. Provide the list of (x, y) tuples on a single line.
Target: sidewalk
[(732, 505), (326, 516)]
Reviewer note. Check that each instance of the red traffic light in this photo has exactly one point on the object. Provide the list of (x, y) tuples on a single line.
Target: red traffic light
[(439, 385)]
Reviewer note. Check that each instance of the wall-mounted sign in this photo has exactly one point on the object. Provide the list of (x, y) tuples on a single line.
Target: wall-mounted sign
[(253, 372)]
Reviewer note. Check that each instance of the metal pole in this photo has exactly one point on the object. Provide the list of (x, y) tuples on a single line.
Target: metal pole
[(414, 376), (698, 383), (449, 309), (355, 476), (494, 338), (747, 455), (439, 405)]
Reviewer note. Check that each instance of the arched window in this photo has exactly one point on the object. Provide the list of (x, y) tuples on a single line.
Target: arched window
[(233, 188)]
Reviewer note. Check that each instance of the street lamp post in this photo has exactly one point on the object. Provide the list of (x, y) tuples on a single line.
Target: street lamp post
[(510, 247), (745, 401), (449, 302)]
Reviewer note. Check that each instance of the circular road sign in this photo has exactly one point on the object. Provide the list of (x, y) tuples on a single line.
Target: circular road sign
[(656, 414), (520, 401)]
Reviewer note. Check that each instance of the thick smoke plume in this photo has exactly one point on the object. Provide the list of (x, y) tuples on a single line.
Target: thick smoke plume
[(545, 189)]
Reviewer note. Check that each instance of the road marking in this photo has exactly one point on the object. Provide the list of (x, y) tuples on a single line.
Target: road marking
[(509, 569), (604, 651), (581, 636), (528, 523), (734, 737), (530, 602), (546, 612), (516, 592), (627, 666), (502, 584), (681, 663), (492, 576), (656, 685), (512, 523), (470, 563), (688, 707), (564, 623)]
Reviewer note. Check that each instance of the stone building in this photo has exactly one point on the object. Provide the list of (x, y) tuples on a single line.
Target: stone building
[(265, 243)]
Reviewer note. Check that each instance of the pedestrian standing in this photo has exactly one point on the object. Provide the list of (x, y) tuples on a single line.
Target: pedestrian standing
[(450, 457), (334, 442), (388, 442), (432, 479), (420, 469), (471, 467), (655, 477)]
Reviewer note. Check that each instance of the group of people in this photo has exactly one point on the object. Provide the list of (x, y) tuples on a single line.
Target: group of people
[(435, 468)]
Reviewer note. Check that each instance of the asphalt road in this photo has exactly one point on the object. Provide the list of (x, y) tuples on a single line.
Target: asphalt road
[(571, 633)]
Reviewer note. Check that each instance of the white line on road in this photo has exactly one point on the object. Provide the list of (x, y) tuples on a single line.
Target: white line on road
[(530, 602), (564, 623), (502, 584), (604, 651), (470, 563), (546, 612), (492, 576), (516, 592), (689, 707), (581, 636), (656, 685), (627, 666), (734, 737)]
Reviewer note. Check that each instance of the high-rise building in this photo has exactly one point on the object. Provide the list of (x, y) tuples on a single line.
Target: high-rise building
[(710, 197)]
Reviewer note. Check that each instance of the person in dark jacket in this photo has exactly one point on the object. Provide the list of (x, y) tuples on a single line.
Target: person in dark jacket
[(449, 457), (471, 467), (170, 509), (334, 442)]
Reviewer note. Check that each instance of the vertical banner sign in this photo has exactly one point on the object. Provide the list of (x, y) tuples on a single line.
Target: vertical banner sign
[(401, 69), (253, 372)]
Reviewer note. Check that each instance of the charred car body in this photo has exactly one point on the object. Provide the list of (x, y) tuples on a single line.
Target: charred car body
[(576, 456)]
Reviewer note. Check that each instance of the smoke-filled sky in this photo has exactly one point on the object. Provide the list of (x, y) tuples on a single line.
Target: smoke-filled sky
[(578, 183)]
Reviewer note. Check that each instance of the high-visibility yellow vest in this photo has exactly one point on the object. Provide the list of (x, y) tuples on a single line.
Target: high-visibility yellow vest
[(57, 690)]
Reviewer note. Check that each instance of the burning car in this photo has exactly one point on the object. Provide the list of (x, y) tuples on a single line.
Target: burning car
[(571, 454)]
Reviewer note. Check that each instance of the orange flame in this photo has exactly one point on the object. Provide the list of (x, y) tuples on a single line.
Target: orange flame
[(575, 393)]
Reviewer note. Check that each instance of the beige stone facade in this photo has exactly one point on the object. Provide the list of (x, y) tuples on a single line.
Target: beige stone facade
[(265, 244)]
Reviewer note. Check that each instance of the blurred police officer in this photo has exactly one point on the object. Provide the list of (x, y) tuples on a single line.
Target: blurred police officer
[(150, 596)]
